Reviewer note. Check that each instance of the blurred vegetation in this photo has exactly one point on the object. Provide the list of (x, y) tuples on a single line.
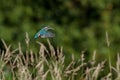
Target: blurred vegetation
[(50, 64), (80, 25)]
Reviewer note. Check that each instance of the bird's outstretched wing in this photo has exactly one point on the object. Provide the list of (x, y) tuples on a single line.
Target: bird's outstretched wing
[(47, 35), (48, 28)]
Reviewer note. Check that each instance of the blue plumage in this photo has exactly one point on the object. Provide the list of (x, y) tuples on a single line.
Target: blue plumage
[(44, 33)]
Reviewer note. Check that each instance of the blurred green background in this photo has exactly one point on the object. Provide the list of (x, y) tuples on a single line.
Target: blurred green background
[(79, 25)]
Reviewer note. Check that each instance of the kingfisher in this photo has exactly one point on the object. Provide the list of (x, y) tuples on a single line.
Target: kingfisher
[(44, 33)]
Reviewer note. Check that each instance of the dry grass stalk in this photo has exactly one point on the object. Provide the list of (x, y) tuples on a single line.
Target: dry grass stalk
[(107, 39), (50, 63)]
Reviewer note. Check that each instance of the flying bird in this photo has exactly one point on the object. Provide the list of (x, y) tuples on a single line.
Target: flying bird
[(44, 33)]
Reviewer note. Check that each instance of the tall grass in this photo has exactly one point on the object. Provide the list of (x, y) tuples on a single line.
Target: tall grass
[(49, 64)]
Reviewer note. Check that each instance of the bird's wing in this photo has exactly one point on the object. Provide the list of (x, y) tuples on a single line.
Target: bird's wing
[(47, 28), (47, 35)]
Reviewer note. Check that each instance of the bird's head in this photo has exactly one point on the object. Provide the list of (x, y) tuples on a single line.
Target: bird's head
[(37, 35)]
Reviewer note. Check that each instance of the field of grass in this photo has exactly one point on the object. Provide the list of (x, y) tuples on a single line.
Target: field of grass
[(50, 64)]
